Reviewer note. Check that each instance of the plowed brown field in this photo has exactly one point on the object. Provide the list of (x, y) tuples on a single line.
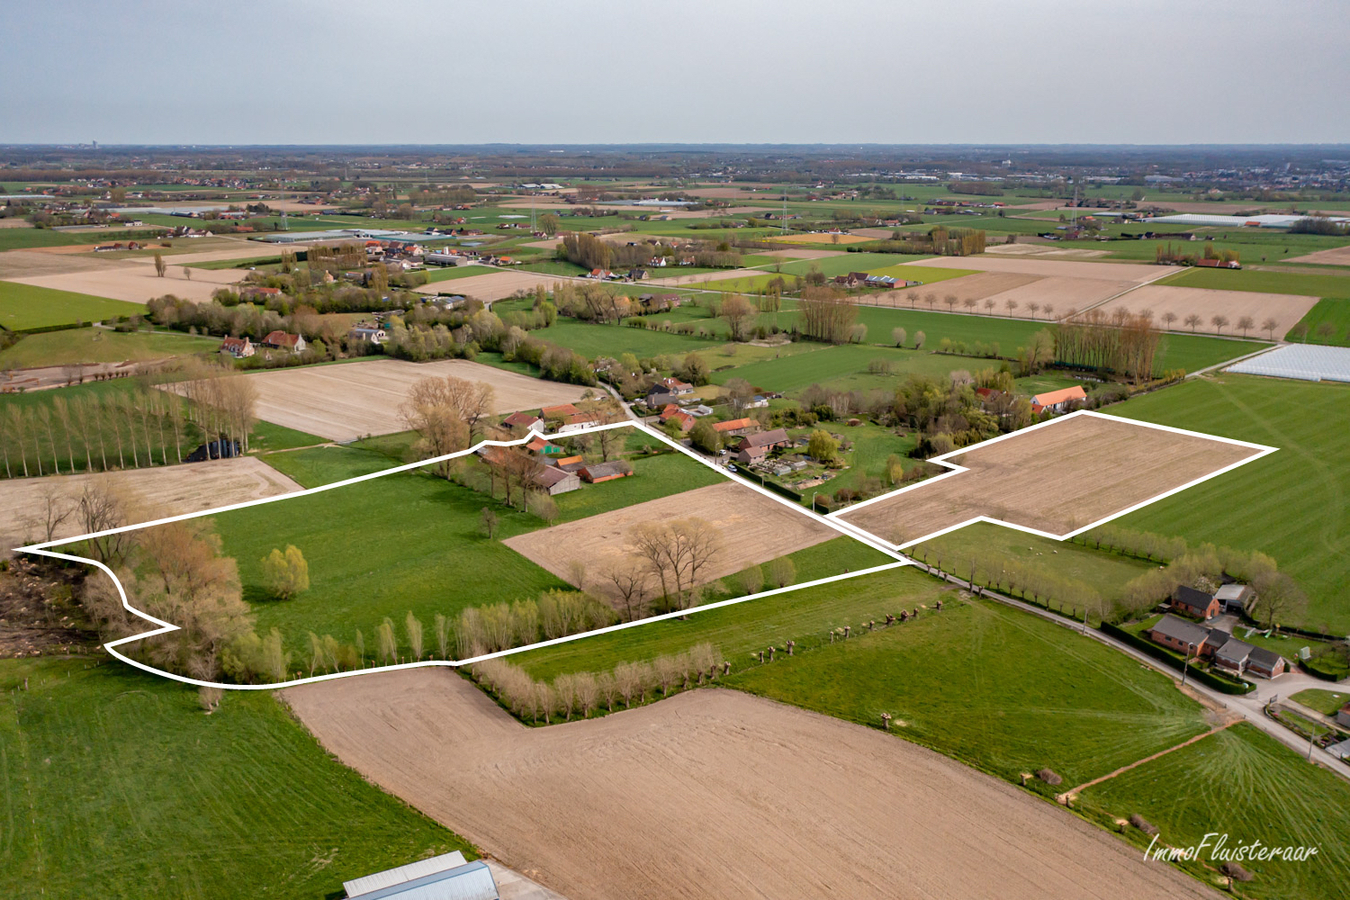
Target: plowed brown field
[(715, 794)]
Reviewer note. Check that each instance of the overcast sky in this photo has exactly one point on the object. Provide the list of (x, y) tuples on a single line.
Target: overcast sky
[(620, 71)]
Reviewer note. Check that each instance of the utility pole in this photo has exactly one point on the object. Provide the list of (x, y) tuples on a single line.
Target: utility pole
[(1186, 667), (782, 222)]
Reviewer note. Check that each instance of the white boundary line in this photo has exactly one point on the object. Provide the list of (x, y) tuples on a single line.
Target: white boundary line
[(942, 460), (832, 521), (42, 549)]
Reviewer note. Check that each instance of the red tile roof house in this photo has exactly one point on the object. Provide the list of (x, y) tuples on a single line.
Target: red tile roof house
[(1057, 401), (684, 420), (755, 447), (598, 472), (523, 422), (283, 341), (559, 412), (577, 421), (237, 347), (736, 427), (257, 291)]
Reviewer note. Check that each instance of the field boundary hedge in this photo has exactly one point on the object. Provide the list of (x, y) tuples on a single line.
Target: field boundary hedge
[(1209, 679)]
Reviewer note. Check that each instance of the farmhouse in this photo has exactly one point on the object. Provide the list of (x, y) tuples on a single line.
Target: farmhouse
[(544, 448), (609, 471), (447, 875), (561, 411), (1196, 604), (578, 421), (372, 333), (1178, 634), (1057, 401), (1227, 652), (683, 420), (522, 422), (280, 340), (553, 480), (756, 447), (675, 386), (736, 427), (239, 348)]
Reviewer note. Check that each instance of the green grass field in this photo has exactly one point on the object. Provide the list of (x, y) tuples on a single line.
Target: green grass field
[(1328, 703), (844, 368), (451, 273), (1245, 784), (117, 784), (1332, 311), (1311, 284), (1107, 572), (1291, 504), (993, 687), (407, 541), (27, 306), (100, 345), (30, 238), (927, 274), (741, 630)]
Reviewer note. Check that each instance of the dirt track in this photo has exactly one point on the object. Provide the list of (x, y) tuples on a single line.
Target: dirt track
[(1285, 309), (348, 401), (754, 530), (1055, 479), (167, 490), (715, 794)]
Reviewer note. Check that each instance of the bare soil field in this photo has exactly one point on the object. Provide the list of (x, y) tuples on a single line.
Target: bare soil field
[(492, 285), (15, 222), (1337, 256), (1055, 478), (715, 794), (162, 491), (348, 401), (15, 264), (978, 286), (754, 530), (825, 239), (1064, 294), (1053, 268), (695, 280), (716, 213), (1285, 309), (135, 282), (805, 253), (1047, 251)]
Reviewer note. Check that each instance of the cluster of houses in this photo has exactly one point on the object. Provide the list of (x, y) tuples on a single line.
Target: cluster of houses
[(862, 279), (242, 348), (1194, 636), (561, 471)]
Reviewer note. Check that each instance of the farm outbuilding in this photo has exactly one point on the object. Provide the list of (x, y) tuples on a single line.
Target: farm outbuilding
[(444, 877)]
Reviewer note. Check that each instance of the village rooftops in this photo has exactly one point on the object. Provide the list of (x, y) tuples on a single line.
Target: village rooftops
[(733, 425)]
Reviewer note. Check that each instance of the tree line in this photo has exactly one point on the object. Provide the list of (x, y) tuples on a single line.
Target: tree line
[(583, 693), (137, 428)]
